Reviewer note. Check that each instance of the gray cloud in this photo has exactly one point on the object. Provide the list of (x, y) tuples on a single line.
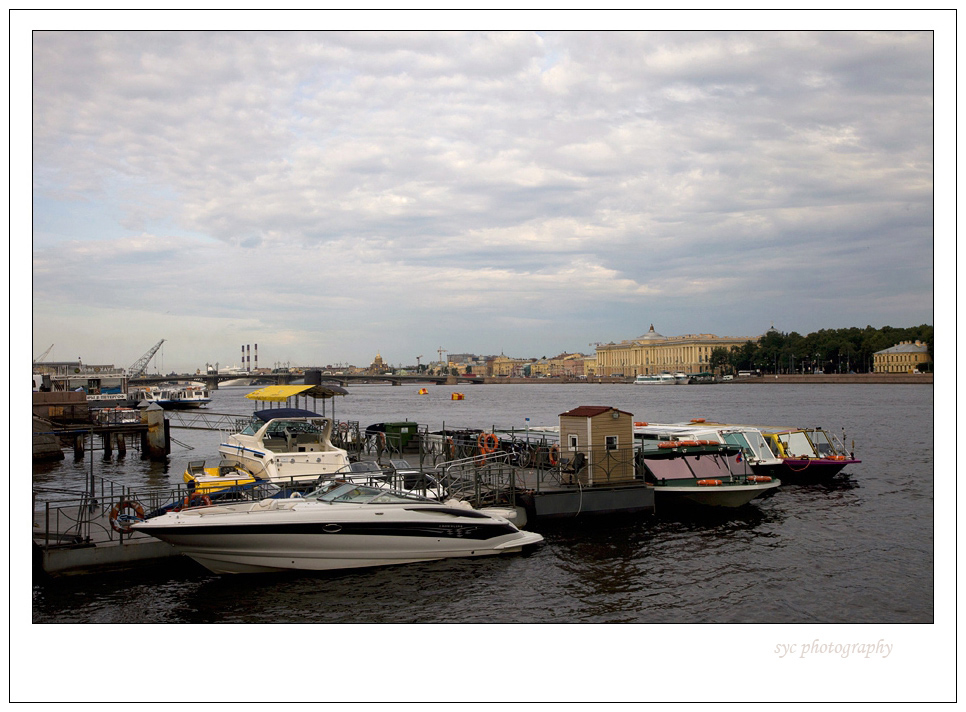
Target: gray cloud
[(520, 192)]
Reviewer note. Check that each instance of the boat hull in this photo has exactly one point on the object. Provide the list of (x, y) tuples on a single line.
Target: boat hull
[(291, 558), (184, 404), (805, 469), (726, 495)]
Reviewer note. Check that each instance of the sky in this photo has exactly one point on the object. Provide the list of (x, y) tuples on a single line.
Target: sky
[(331, 196)]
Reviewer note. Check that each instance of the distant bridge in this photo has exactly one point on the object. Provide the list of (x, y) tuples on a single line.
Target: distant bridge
[(281, 379)]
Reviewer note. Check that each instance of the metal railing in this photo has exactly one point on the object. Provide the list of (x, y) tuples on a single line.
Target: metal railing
[(70, 518)]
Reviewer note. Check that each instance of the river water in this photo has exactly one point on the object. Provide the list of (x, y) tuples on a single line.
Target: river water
[(859, 551)]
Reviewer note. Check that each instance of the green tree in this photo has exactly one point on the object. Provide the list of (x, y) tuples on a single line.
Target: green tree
[(720, 357)]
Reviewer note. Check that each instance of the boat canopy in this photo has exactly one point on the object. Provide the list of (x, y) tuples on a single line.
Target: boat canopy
[(280, 394), (273, 413)]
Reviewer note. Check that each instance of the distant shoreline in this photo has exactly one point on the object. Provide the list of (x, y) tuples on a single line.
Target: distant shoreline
[(784, 378)]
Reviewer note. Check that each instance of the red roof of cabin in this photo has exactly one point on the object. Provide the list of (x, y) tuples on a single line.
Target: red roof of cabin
[(590, 411)]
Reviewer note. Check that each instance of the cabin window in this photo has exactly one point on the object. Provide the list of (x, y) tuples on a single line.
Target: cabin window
[(610, 442), (572, 442)]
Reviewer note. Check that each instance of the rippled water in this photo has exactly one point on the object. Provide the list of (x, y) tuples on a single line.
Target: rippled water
[(857, 550)]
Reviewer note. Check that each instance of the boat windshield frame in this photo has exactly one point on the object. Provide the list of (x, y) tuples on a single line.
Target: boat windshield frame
[(276, 426), (353, 493), (822, 442)]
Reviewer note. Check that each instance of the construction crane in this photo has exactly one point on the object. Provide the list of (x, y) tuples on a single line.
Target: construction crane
[(44, 354), (138, 367)]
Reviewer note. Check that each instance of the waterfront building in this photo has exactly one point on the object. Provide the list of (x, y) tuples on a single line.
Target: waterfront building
[(504, 366), (904, 357), (565, 365), (104, 384), (654, 353)]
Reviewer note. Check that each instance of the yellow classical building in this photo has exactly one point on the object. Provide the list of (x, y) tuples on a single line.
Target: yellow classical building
[(505, 366), (653, 353), (904, 357)]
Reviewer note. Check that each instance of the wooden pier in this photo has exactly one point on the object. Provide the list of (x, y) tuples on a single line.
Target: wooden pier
[(106, 430)]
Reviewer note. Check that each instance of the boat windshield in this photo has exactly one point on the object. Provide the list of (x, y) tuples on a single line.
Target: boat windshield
[(751, 441), (797, 444), (341, 492), (281, 427), (822, 442)]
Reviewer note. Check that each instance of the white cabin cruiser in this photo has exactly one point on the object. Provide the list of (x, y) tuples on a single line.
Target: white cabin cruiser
[(655, 379), (340, 525), (285, 446)]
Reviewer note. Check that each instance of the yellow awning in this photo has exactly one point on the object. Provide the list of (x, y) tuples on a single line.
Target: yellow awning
[(277, 394), (280, 394)]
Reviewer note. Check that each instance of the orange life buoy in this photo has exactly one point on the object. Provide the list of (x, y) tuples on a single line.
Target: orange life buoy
[(709, 483), (758, 478), (554, 454), (639, 424), (200, 497), (116, 511), (668, 444), (343, 428), (487, 442), (697, 420), (688, 443)]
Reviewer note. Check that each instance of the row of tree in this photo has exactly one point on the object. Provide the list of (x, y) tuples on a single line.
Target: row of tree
[(826, 351)]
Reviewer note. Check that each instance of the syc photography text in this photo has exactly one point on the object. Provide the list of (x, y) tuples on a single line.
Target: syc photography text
[(878, 649)]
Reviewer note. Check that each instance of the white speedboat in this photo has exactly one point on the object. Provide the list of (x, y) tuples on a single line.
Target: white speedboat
[(285, 446), (655, 379), (340, 525)]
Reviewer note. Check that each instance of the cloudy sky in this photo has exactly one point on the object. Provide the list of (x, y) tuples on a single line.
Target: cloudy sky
[(334, 195)]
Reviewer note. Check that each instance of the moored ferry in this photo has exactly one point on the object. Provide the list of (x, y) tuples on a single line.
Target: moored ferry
[(172, 397), (655, 379)]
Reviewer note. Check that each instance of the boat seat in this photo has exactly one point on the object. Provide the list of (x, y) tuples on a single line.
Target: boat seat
[(276, 444)]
